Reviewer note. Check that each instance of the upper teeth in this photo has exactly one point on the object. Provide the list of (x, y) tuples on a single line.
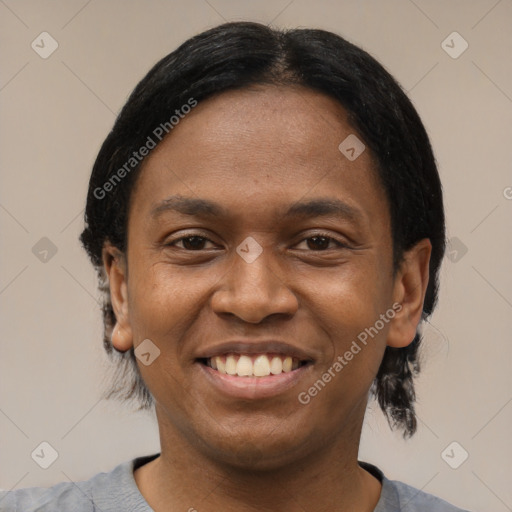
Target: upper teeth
[(253, 366)]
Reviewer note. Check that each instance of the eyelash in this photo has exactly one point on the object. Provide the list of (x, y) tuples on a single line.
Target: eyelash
[(339, 244)]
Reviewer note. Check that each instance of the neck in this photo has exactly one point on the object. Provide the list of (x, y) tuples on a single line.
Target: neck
[(183, 478)]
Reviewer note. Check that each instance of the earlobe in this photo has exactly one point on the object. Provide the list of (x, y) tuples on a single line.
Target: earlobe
[(122, 339), (410, 288), (114, 262)]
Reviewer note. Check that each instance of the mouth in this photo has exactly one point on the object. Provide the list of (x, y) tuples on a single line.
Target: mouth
[(253, 365), (254, 371)]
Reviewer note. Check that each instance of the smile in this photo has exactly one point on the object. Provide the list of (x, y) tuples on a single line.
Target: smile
[(253, 365), (253, 376)]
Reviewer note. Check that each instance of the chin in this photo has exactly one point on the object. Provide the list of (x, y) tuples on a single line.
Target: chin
[(271, 450)]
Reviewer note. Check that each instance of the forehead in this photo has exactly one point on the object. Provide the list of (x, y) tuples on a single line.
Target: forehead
[(263, 146), (270, 121)]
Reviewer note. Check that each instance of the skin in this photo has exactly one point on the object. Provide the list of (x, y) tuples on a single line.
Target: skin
[(256, 152)]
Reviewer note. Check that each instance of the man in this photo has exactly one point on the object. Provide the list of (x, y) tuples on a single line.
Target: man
[(269, 216)]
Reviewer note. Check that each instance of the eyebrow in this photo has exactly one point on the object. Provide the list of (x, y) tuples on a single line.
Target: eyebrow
[(196, 207), (189, 206)]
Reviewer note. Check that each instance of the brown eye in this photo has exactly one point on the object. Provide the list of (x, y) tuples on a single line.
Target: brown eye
[(318, 243), (191, 243), (321, 242), (194, 243)]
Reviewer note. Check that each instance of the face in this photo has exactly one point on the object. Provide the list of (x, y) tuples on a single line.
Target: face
[(257, 248)]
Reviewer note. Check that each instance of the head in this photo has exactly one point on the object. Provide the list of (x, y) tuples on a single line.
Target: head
[(246, 121)]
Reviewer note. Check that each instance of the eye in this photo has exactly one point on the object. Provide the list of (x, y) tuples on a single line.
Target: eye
[(190, 243), (318, 242), (322, 242)]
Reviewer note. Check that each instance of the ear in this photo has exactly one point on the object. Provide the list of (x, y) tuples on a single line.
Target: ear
[(410, 286), (115, 265)]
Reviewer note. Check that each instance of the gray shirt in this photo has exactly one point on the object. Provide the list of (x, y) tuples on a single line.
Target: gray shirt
[(117, 491)]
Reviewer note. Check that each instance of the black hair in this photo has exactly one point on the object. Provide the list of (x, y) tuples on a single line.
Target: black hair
[(241, 54)]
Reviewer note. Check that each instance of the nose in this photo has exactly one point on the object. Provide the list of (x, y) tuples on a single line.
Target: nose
[(253, 291)]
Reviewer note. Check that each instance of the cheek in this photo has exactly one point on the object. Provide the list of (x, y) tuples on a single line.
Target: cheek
[(348, 300), (164, 302), (347, 306), (164, 306)]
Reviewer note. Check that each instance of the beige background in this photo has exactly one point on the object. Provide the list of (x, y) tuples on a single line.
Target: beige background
[(55, 113)]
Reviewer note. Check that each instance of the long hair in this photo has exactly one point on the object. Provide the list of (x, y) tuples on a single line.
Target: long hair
[(237, 55)]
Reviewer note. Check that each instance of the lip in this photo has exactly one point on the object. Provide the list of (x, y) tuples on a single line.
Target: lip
[(254, 347), (253, 388)]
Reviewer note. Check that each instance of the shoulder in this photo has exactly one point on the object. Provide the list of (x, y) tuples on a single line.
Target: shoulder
[(399, 497), (409, 499), (62, 496), (103, 492)]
